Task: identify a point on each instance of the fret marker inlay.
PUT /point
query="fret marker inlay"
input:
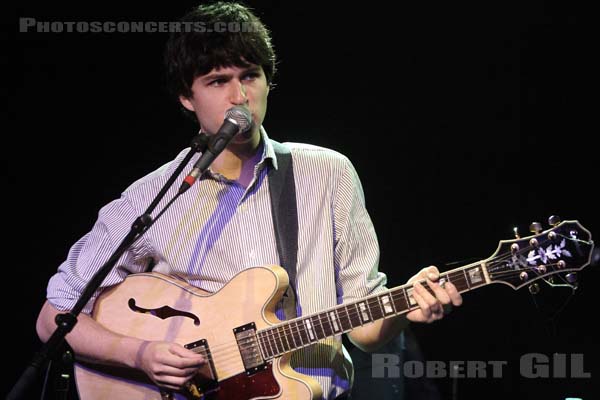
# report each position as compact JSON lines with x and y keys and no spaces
{"x":309,"y":329}
{"x":363,"y":312}
{"x":412,"y":301}
{"x":387,"y":305}
{"x":475,"y":275}
{"x":336,"y":327}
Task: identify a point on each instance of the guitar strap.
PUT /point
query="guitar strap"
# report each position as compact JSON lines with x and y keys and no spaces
{"x":282,"y":190}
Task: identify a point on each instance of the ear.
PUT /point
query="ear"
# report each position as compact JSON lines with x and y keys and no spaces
{"x":186,"y":103}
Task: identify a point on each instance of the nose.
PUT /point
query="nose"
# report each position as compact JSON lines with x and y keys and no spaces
{"x":238,"y":94}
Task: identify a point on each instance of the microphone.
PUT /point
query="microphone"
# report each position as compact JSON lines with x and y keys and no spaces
{"x":237,"y":120}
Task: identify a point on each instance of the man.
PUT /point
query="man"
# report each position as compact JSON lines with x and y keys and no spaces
{"x":223,"y":225}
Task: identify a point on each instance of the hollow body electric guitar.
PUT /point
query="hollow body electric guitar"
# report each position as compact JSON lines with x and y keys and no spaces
{"x":248,"y":348}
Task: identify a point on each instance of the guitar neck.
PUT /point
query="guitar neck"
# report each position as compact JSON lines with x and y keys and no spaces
{"x":306,"y":330}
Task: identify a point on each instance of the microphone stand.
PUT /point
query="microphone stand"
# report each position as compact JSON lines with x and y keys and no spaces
{"x":66,"y":321}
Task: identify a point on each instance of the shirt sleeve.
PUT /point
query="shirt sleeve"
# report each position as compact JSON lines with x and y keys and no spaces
{"x":92,"y":251}
{"x":356,"y":245}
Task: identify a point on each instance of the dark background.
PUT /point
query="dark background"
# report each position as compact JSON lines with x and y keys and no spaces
{"x":463,"y":121}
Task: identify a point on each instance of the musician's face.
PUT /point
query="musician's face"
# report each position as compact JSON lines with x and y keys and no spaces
{"x":219,"y":90}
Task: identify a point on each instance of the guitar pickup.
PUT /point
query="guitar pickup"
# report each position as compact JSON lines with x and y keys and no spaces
{"x":206,"y":378}
{"x":248,"y":346}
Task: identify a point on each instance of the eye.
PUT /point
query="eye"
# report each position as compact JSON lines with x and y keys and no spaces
{"x":250,"y":76}
{"x":217,"y":82}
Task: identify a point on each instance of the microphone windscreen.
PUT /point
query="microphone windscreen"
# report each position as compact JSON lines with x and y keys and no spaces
{"x":241,"y":115}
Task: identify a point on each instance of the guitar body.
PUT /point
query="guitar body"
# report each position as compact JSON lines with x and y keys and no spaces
{"x":158,"y":307}
{"x":248,"y":348}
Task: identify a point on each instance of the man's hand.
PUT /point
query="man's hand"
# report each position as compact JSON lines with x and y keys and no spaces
{"x":169,"y":365}
{"x":431,"y":307}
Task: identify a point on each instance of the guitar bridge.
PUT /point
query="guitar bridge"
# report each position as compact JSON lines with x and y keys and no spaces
{"x":206,"y":379}
{"x":247,"y":341}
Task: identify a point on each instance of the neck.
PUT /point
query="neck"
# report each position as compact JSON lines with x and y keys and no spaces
{"x":238,"y":160}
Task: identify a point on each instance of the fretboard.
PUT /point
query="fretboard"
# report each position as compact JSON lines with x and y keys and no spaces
{"x":306,"y":330}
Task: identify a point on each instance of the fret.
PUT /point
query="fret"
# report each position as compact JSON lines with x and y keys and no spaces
{"x":367,"y":307}
{"x":344,"y":318}
{"x":428,"y":288}
{"x":352,"y":315}
{"x":317,"y":326}
{"x":277,"y":341}
{"x":466,"y":278}
{"x":369,"y":310}
{"x":408,"y":295}
{"x":283,"y":336}
{"x":363,"y":313}
{"x":387,"y":305}
{"x":447,"y":277}
{"x":291,"y":335}
{"x":356,"y":317}
{"x":302,"y":333}
{"x":375,"y":308}
{"x":334,"y":321}
{"x":267,"y":353}
{"x":270,"y":340}
{"x":309,"y":330}
{"x":399,"y":300}
{"x":327,"y":327}
{"x":296,"y":334}
{"x":459,"y":279}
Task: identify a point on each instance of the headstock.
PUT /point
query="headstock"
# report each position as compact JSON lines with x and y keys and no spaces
{"x":565,"y":248}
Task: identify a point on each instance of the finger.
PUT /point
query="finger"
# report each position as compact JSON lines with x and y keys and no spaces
{"x":439,"y":292}
{"x":181,"y":351}
{"x":430,"y":302}
{"x":425,"y":294}
{"x":432,"y":273}
{"x":168,"y":370}
{"x":171,"y":382}
{"x":435,"y":306}
{"x":455,"y":296}
{"x":423,"y":305}
{"x":181,"y":357}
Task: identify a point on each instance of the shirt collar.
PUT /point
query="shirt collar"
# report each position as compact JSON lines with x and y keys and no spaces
{"x":268,"y":151}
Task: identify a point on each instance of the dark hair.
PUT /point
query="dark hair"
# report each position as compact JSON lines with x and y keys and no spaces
{"x":215,"y":35}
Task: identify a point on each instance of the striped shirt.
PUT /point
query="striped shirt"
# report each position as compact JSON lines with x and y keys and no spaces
{"x":218,"y":228}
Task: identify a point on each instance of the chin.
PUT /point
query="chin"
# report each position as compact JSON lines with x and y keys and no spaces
{"x":244,"y":138}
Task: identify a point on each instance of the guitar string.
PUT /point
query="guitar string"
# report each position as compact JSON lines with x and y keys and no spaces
{"x":280,"y":339}
{"x":350,"y":314}
{"x":393,"y":295}
{"x":277,"y":339}
{"x":273,"y":337}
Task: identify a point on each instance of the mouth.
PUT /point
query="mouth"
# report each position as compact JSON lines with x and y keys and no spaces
{"x":248,"y":132}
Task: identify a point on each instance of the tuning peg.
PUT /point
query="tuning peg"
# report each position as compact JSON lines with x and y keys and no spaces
{"x":534,"y":288}
{"x":554,"y":220}
{"x":516,"y":232}
{"x":572,"y":277}
{"x":535,"y":227}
